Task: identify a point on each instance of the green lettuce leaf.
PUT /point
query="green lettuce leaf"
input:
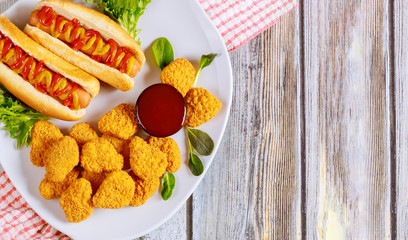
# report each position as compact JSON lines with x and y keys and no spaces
{"x":125,"y":13}
{"x":17,"y":117}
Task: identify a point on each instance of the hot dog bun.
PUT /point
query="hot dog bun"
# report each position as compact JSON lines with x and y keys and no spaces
{"x":89,"y":19}
{"x":23,"y":90}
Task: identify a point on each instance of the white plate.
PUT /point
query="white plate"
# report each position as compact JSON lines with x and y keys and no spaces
{"x":192,"y":34}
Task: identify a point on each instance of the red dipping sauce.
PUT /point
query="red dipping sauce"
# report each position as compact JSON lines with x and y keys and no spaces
{"x":160,"y":110}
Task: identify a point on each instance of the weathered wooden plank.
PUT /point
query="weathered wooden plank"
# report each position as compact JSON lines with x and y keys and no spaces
{"x":400,"y":24}
{"x":4,"y":5}
{"x":347,"y":119}
{"x":252,"y":190}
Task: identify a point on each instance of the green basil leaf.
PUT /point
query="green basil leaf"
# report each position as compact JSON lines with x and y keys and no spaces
{"x":163,"y":52}
{"x":195,"y":165}
{"x":167,"y":184}
{"x":200,"y":141}
{"x":204,"y":62}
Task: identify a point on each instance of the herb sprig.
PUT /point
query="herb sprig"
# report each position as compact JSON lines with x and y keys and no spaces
{"x":163,"y":52}
{"x":205,"y":60}
{"x":167,"y":183}
{"x":195,"y":164}
{"x":201,"y":141}
{"x":203,"y":145}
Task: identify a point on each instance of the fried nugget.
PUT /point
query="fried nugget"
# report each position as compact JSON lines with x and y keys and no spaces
{"x":95,"y":179}
{"x":51,"y":190}
{"x":60,"y":158}
{"x":144,"y":189}
{"x":120,"y":122}
{"x":116,"y":191}
{"x":169,"y":147}
{"x":83,"y":133}
{"x":201,"y":106}
{"x":99,"y":155}
{"x":146,"y":161}
{"x":76,"y":201}
{"x":180,"y":74}
{"x":43,"y":134}
{"x":121,"y":146}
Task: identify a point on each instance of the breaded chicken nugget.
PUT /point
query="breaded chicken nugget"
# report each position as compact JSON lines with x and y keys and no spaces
{"x":120,"y":122}
{"x":201,"y":106}
{"x":43,"y":134}
{"x":116,"y":191}
{"x":144,"y":189}
{"x":83,"y":133}
{"x":121,"y":146}
{"x":95,"y":179}
{"x":76,"y":200}
{"x":60,"y":158}
{"x":146,"y":162}
{"x":180,"y":74}
{"x":51,"y":190}
{"x":99,"y":155}
{"x":169,"y":147}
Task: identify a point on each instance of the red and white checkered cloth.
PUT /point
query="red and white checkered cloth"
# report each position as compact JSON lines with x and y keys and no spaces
{"x":18,"y":220}
{"x":237,"y":20}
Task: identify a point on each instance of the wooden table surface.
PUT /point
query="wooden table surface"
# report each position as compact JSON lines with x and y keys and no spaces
{"x":317,"y":141}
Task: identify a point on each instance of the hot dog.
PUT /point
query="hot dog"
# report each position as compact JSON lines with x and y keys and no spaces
{"x":41,"y":79}
{"x":87,"y":39}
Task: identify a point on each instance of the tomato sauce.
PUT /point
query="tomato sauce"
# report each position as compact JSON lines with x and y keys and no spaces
{"x":160,"y":110}
{"x":46,"y":17}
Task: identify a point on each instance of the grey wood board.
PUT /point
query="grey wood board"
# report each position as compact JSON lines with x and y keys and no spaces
{"x":400,"y":60}
{"x":347,"y":138}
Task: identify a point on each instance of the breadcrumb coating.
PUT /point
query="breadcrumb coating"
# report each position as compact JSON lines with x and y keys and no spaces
{"x":42,"y":135}
{"x":180,"y":74}
{"x":144,"y":189}
{"x":95,"y":179}
{"x":99,"y":155}
{"x":83,"y":133}
{"x":60,"y":158}
{"x":120,"y":122}
{"x":169,"y":147}
{"x":76,"y":201}
{"x":121,"y":146}
{"x":145,"y":161}
{"x":116,"y":191}
{"x":201,"y":106}
{"x":51,"y":190}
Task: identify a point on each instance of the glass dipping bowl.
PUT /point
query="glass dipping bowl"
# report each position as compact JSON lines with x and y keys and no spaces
{"x":160,"y":110}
